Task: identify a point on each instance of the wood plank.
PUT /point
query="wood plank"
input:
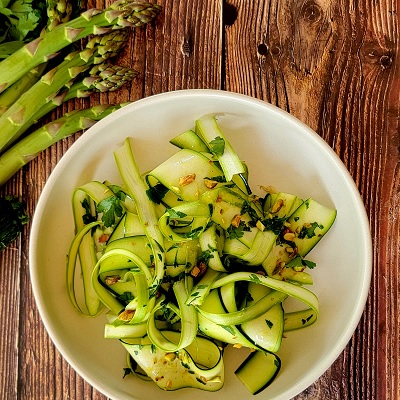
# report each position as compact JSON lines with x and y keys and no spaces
{"x":331,"y":64}
{"x":37,"y":370}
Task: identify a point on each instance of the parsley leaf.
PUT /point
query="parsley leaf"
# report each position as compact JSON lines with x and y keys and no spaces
{"x":156,"y":193}
{"x":21,"y":20}
{"x":111,"y":208}
{"x":300,"y":262}
{"x":269,"y":323}
{"x":274,"y":224}
{"x":87,"y":217}
{"x":175,"y":214}
{"x":217,"y":146}
{"x":309,"y":230}
{"x":236,"y":232}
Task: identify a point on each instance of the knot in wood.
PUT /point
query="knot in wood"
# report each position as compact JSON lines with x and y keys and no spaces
{"x":311,"y":12}
{"x":262,"y":49}
{"x":386,"y":61}
{"x":229,"y":14}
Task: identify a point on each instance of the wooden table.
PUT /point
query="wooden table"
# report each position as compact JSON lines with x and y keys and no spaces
{"x":333,"y":64}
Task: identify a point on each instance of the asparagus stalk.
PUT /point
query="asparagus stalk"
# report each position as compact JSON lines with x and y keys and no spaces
{"x":14,"y":92}
{"x":58,"y":12}
{"x":102,"y":78}
{"x":122,"y":13}
{"x":29,"y":147}
{"x":98,"y":49}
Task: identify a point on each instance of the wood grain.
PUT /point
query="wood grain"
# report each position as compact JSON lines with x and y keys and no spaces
{"x":331,"y":63}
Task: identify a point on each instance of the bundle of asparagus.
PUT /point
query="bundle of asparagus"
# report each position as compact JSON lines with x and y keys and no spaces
{"x":28,"y":73}
{"x":41,"y":74}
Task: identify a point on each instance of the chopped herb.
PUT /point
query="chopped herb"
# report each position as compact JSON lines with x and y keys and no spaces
{"x":269,"y":323}
{"x":200,"y":381}
{"x":298,"y":261}
{"x":217,"y":146}
{"x":117,"y":191}
{"x":159,"y":246}
{"x":174,"y":246}
{"x":236,"y":232}
{"x":274,"y":224}
{"x":87,"y":217}
{"x":219,"y":179}
{"x":111,"y":208}
{"x":175,"y":214}
{"x":206,"y":255}
{"x":309,"y":230}
{"x":194,"y":233}
{"x":310,"y":264}
{"x":276,"y":362}
{"x":247,"y":208}
{"x":126,"y":297}
{"x":156,"y":193}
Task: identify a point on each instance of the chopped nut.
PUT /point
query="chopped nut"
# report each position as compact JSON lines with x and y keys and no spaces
{"x":169,"y":384}
{"x":290,"y":236}
{"x":289,"y":250}
{"x":237,"y":346}
{"x":104,"y":237}
{"x":185,"y":180}
{"x":126,"y":315}
{"x":277,"y":206}
{"x":210,"y":184}
{"x":110,"y":280}
{"x":236,"y":220}
{"x":169,"y":357}
{"x":260,"y":225}
{"x":299,"y":269}
{"x":278,"y":268}
{"x":198,"y":270}
{"x":268,"y":189}
{"x":203,"y":379}
{"x":307,"y":225}
{"x":294,"y":252}
{"x":287,"y":224}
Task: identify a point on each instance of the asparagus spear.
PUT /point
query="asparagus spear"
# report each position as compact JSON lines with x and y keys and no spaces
{"x":120,"y":14}
{"x":102,"y":78}
{"x":29,"y":147}
{"x":60,"y":11}
{"x":98,"y":49}
{"x":14,"y":92}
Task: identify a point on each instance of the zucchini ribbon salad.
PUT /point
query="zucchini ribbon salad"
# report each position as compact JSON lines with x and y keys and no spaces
{"x":187,"y":261}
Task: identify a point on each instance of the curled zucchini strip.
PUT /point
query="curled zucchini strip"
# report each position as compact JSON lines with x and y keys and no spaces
{"x":142,"y":278}
{"x":247,"y":314}
{"x":298,"y":292}
{"x":188,"y":318}
{"x":197,"y":211}
{"x":136,"y":188}
{"x":71,"y":263}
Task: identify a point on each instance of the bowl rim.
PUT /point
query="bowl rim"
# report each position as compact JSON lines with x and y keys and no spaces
{"x":359,"y":307}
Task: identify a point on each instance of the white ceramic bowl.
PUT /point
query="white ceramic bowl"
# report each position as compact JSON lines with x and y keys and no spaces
{"x":280,"y":151}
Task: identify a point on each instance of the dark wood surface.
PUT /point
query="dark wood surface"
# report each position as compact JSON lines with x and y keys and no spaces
{"x":334,"y":64}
